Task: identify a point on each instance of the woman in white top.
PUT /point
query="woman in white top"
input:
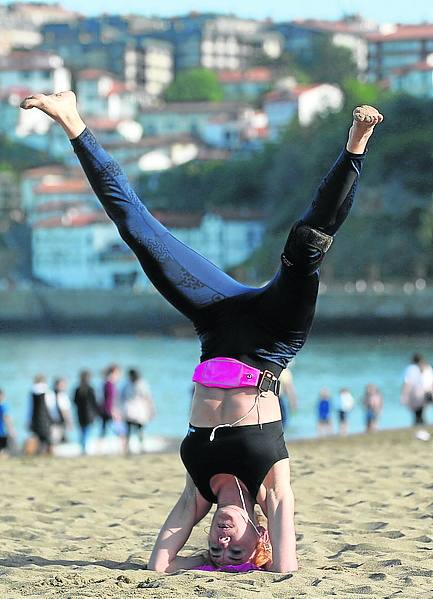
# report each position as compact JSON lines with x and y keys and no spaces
{"x":137,"y":405}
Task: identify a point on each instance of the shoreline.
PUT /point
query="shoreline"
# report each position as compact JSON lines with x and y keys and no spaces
{"x":161,"y":445}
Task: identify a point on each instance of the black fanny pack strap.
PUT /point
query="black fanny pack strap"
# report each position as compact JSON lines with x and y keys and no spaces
{"x":269,"y":382}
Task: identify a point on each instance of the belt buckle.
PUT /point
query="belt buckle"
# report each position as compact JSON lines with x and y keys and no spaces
{"x":266,"y":381}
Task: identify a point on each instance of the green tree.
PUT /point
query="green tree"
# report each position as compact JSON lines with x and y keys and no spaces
{"x":286,"y":65}
{"x":327,"y":62}
{"x":195,"y":85}
{"x":18,"y":157}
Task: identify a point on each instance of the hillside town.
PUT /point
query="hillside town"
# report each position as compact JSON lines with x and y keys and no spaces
{"x":122,"y":68}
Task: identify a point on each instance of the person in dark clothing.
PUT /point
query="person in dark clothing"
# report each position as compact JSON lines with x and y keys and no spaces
{"x":7,"y":433}
{"x":110,"y":397}
{"x":248,"y":335}
{"x":87,"y":407}
{"x":60,"y":411}
{"x":40,"y":418}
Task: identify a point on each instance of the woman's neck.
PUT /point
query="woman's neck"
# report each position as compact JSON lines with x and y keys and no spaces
{"x":228,"y":493}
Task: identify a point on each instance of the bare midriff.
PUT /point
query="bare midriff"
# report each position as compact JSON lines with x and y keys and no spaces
{"x":212,"y":406}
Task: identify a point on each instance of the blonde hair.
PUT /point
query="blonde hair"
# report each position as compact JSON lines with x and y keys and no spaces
{"x":263,"y":553}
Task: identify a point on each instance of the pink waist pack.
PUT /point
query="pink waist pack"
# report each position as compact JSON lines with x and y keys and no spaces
{"x":226,"y":373}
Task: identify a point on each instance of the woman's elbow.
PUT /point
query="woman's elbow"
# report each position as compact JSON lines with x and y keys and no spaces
{"x":287,"y":568}
{"x":160,"y":566}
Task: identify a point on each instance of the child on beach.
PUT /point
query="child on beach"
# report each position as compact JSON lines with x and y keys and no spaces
{"x":373,"y":404}
{"x":6,"y":425}
{"x":324,"y":420}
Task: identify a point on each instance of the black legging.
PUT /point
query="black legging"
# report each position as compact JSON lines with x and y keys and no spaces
{"x":263,"y":326}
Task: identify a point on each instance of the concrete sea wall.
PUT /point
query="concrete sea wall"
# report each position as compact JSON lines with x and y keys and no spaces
{"x":60,"y":310}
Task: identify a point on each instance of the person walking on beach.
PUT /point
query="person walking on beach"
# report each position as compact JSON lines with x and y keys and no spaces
{"x":413,"y":390}
{"x":234,"y":450}
{"x":287,"y":397}
{"x":40,"y":418}
{"x":7,"y":433}
{"x":373,"y":405}
{"x":137,"y":406}
{"x":324,"y":408}
{"x":109,"y":408}
{"x":345,"y":405}
{"x":59,"y":406}
{"x":86,"y":406}
{"x":427,"y":381}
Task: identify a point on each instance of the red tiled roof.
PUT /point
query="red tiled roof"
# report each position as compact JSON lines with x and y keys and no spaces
{"x":403,"y":32}
{"x":88,"y":74}
{"x":41,"y":171}
{"x":117,"y":87}
{"x":193,"y":220}
{"x":417,"y":66}
{"x":36,"y":60}
{"x":73,"y":220}
{"x":75,"y":186}
{"x":20,"y":91}
{"x":354,"y":27}
{"x":58,"y":205}
{"x":298,"y":90}
{"x":223,"y":118}
{"x":205,"y":154}
{"x":290,"y":94}
{"x":194,"y":107}
{"x":102,"y":124}
{"x":260,"y":74}
{"x":179,"y":220}
{"x":153,"y":141}
{"x":242,"y":214}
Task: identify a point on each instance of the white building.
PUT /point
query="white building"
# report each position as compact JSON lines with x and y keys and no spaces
{"x":81,"y":250}
{"x":222,"y":42}
{"x":33,"y":177}
{"x":37,"y":71}
{"x":149,"y":66}
{"x":84,"y":250}
{"x":303,"y":102}
{"x":415,"y":79}
{"x":349,"y":33}
{"x":227,"y":237}
{"x":21,"y":74}
{"x":152,"y":154}
{"x":54,"y":189}
{"x":233,"y":131}
{"x":20,"y":22}
{"x":102,"y":94}
{"x":397,"y":46}
{"x":185,"y":117}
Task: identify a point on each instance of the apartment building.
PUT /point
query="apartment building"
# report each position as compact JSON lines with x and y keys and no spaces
{"x":397,"y":46}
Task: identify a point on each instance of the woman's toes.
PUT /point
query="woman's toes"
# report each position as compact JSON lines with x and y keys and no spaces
{"x":28,"y":102}
{"x":367,"y":115}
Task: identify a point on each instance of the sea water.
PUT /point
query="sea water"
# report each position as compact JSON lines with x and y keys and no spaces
{"x":167,"y":364}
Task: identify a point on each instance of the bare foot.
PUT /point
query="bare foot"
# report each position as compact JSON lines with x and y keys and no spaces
{"x":365,"y":118}
{"x":61,"y":107}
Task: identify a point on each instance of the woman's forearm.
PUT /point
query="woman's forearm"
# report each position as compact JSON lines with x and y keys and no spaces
{"x":176,"y":531}
{"x":282,"y":531}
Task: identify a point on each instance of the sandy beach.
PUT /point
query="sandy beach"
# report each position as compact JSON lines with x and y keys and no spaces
{"x":84,"y":527}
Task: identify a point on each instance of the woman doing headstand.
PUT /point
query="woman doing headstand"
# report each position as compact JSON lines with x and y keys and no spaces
{"x":234,"y":451}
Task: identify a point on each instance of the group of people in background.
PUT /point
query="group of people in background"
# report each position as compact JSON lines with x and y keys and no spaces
{"x":416,"y":395}
{"x":124,"y":406}
{"x":371,"y":401}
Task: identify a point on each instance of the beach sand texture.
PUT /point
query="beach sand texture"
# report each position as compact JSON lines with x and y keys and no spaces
{"x":84,"y":527}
